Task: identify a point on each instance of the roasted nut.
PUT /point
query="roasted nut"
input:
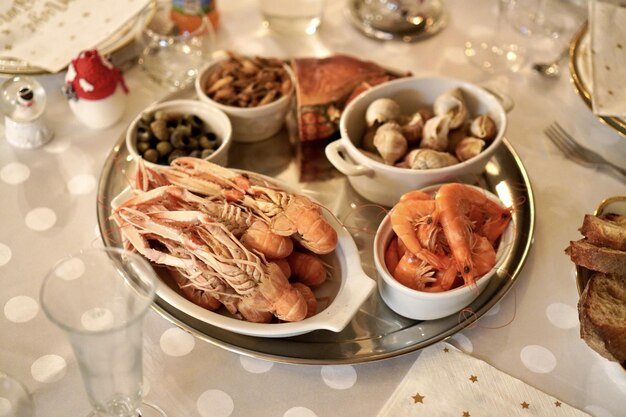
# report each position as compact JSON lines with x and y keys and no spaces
{"x":248,"y":82}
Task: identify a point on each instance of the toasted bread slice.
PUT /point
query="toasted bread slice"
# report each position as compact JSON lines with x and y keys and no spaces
{"x":597,"y":258}
{"x":602,"y":315}
{"x":605,"y":231}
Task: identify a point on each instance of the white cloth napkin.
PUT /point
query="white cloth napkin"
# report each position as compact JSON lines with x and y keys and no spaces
{"x":446,"y":382}
{"x":607,"y":25}
{"x":49,"y":33}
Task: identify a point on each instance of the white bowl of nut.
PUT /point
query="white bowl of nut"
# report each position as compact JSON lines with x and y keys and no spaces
{"x":175,"y":128}
{"x":416,"y":131}
{"x":255,"y":93}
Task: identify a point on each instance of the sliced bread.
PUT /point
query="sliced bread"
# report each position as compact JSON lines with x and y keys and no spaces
{"x":597,"y":258}
{"x":602,"y":315}
{"x":609,"y":230}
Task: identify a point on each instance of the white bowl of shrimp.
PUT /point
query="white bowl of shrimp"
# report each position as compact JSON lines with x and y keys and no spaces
{"x":407,"y":134}
{"x":438,"y":249}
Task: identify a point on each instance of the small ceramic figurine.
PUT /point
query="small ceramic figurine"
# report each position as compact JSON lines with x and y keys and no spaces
{"x":96,"y":90}
{"x":23,"y":103}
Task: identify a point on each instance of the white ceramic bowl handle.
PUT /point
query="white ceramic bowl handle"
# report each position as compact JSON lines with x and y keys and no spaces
{"x":359,"y":289}
{"x":333,"y":153}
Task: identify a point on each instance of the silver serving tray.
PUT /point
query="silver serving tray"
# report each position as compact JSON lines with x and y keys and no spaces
{"x":376,"y":332}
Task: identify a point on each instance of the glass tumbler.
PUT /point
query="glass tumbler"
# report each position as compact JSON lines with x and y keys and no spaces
{"x":170,"y":55}
{"x":99,"y":297}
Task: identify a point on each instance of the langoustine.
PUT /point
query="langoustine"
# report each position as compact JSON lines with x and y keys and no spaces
{"x":287,"y":213}
{"x":216,"y":248}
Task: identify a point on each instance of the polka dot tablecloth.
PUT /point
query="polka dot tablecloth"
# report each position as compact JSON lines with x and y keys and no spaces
{"x":48,"y":210}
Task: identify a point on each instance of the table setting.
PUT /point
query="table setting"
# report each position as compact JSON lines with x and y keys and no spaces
{"x":312,"y":208}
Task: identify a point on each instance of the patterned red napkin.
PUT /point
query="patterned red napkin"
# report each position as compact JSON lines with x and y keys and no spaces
{"x":446,"y":382}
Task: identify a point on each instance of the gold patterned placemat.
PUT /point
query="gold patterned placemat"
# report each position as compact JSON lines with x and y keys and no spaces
{"x":445,"y":382}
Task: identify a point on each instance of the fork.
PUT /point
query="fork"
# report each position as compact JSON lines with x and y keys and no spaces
{"x":578,"y":153}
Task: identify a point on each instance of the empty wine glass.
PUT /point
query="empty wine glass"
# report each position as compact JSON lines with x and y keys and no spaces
{"x":546,"y":25}
{"x":15,"y":401}
{"x":497,"y":50}
{"x":99,"y":297}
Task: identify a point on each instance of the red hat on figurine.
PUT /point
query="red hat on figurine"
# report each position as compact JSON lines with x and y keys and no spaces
{"x":93,"y":77}
{"x":96,"y":90}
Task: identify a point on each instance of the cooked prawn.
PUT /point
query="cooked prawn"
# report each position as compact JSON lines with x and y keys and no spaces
{"x":413,"y":272}
{"x":406,"y":217}
{"x":416,"y":195}
{"x":454,"y":204}
{"x":391,"y":255}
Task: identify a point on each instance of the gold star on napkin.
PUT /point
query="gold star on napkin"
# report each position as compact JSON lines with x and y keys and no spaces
{"x":418,"y":398}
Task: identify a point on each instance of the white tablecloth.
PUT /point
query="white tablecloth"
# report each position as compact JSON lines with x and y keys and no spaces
{"x":47,"y":210}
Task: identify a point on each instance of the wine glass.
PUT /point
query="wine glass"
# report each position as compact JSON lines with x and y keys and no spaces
{"x":15,"y":401}
{"x":99,"y":297}
{"x":545,"y":25}
{"x":497,"y":51}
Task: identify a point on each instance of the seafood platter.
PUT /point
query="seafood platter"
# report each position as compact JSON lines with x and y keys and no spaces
{"x":276,"y":253}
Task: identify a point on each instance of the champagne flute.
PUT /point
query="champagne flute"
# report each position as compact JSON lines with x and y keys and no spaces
{"x":498,"y":51}
{"x":15,"y":400}
{"x":99,"y":297}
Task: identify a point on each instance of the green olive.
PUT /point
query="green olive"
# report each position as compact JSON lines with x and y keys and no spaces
{"x":184,"y":129}
{"x":142,"y":147}
{"x":164,"y":148}
{"x":146,"y":118}
{"x":194,"y":120}
{"x":176,"y":153}
{"x":178,"y":139}
{"x":160,"y":115}
{"x":206,"y":153}
{"x":194,"y":144}
{"x":207,"y":143}
{"x":151,"y":155}
{"x":196,"y":154}
{"x":159,"y":129}
{"x":143,"y":134}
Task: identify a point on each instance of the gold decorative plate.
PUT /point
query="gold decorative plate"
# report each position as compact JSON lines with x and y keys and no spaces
{"x":580,"y":72}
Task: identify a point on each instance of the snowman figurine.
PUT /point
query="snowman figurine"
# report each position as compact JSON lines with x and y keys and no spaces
{"x":96,"y":90}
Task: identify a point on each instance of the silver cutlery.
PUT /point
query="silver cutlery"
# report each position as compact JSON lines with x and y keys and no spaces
{"x":578,"y":153}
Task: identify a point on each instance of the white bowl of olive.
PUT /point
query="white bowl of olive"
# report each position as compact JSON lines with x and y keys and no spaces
{"x":170,"y":129}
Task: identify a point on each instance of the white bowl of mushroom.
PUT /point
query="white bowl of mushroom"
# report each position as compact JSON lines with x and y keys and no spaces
{"x":416,"y":131}
{"x":254,"y":92}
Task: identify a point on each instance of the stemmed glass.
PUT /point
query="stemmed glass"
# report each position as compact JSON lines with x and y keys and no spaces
{"x":15,"y":401}
{"x":497,"y":51}
{"x":99,"y":297}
